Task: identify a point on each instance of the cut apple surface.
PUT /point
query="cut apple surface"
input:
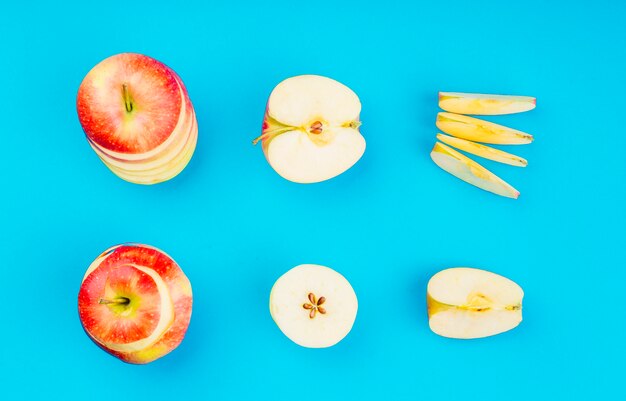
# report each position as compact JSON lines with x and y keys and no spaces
{"x":478,"y":130}
{"x":311,"y":129}
{"x":313,"y":305}
{"x":470,"y":303}
{"x":135,"y":303}
{"x":469,"y":171}
{"x":138,"y":118}
{"x":483,"y":151}
{"x":482,"y":104}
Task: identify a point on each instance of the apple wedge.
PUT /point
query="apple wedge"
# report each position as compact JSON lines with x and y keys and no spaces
{"x":469,"y":171}
{"x":488,"y":105}
{"x":486,"y":152}
{"x":478,"y":130}
{"x":469,"y":303}
{"x":313,"y":305}
{"x":311,"y":129}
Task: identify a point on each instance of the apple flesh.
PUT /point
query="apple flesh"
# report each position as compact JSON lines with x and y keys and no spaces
{"x":482,"y":104}
{"x":469,"y":171}
{"x":311,"y":129}
{"x":138,"y":118}
{"x":470,"y":303}
{"x":135,"y":303}
{"x":313,"y":305}
{"x":486,"y":152}
{"x":478,"y":130}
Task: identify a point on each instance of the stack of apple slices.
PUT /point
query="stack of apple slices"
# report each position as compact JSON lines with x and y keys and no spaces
{"x":466,"y":131}
{"x":138,"y":118}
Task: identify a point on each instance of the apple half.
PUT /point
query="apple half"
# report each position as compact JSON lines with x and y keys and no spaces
{"x":313,"y":305}
{"x":469,"y":171}
{"x":475,"y":129}
{"x":138,"y":118}
{"x":482,"y":104}
{"x":470,"y":303}
{"x":135,"y":303}
{"x":311,"y":129}
{"x":484,"y":151}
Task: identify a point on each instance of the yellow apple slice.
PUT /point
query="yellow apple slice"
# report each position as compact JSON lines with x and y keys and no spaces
{"x":478,"y":130}
{"x":313,"y":305}
{"x":469,"y":303}
{"x":483,"y":151}
{"x":469,"y":171}
{"x":476,"y":103}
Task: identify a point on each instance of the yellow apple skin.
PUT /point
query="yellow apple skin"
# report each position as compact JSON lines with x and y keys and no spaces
{"x":484,"y":151}
{"x":469,"y":171}
{"x":477,"y":130}
{"x":482,"y":104}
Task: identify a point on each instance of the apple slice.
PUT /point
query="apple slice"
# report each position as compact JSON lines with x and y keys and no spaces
{"x":474,"y":129}
{"x":311,"y":129}
{"x":313,"y":305}
{"x":469,"y":171}
{"x":476,"y":103}
{"x":471,"y":303}
{"x":483,"y":151}
{"x":135,"y":303}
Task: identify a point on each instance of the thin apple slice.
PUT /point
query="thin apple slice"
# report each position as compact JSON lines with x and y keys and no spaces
{"x":478,"y":130}
{"x":482,"y":104}
{"x":469,"y":303}
{"x":469,"y":171}
{"x":313,"y":305}
{"x":483,"y":151}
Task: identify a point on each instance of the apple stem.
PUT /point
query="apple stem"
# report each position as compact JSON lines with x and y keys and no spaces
{"x":127,"y":101}
{"x":260,"y":138}
{"x":117,"y":301}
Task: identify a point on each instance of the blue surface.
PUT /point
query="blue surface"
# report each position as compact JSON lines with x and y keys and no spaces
{"x":388,"y":224}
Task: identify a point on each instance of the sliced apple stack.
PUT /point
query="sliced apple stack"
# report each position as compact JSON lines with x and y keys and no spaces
{"x":138,"y":118}
{"x":311,"y":129}
{"x":466,"y":131}
{"x":135,"y":303}
{"x":472,"y":303}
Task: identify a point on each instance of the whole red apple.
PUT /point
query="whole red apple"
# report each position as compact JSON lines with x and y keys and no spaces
{"x":135,"y":303}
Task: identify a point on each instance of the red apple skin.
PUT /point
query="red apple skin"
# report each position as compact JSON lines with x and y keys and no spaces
{"x":154,"y":90}
{"x":179,"y":287}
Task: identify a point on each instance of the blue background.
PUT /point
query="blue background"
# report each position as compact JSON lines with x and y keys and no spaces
{"x":387,"y":224}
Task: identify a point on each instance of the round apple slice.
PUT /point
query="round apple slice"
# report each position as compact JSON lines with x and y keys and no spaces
{"x":311,"y":129}
{"x":471,"y":303}
{"x":135,"y":303}
{"x":313,"y":305}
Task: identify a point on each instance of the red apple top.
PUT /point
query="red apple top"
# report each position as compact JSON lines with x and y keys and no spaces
{"x":130,"y":103}
{"x":135,"y":302}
